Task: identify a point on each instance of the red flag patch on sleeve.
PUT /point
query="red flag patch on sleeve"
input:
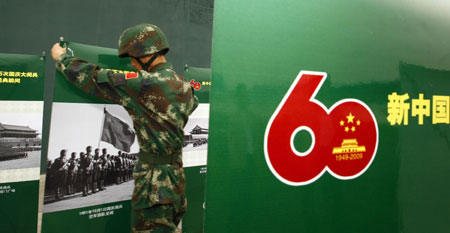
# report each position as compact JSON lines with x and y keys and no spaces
{"x":131,"y":75}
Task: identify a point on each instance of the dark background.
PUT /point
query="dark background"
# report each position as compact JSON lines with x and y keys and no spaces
{"x":32,"y":27}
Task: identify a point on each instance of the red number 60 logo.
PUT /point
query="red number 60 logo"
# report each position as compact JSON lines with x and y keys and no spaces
{"x":344,"y":137}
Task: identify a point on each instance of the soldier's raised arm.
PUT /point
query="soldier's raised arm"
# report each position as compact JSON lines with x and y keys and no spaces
{"x":86,"y":76}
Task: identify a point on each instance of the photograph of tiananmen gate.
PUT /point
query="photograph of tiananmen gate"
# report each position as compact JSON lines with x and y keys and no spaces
{"x":18,"y":141}
{"x":198,"y":136}
{"x":199,"y":130}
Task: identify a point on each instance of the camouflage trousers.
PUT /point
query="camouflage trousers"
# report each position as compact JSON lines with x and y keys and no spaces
{"x":158,"y":202}
{"x":159,"y":218}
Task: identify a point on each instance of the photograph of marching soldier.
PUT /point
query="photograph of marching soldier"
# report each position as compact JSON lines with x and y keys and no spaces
{"x":97,"y":170}
{"x":59,"y":168}
{"x":104,"y":172}
{"x":20,"y":134}
{"x":103,"y":152}
{"x":72,"y":175}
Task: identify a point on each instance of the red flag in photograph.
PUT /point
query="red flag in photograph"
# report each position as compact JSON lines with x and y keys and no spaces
{"x":117,"y":132}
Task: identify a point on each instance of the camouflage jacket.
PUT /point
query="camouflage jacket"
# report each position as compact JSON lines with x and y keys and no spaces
{"x":159,"y":103}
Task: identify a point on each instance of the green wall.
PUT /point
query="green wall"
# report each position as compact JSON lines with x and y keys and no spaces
{"x":369,"y":50}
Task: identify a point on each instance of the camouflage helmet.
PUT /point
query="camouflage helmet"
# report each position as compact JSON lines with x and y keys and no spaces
{"x":142,"y":40}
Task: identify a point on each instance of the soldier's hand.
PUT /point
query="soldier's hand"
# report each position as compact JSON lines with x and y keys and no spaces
{"x":57,"y":51}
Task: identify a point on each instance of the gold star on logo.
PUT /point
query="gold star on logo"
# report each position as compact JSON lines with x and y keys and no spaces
{"x":342,"y":123}
{"x":358,"y":122}
{"x":346,"y":129}
{"x":353,"y":129}
{"x":350,"y":118}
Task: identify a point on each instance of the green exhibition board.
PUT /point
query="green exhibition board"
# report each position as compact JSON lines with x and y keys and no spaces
{"x":200,"y":79}
{"x":22,"y":77}
{"x":100,"y":218}
{"x":329,"y":116}
{"x":19,"y":210}
{"x":69,"y":129}
{"x":21,"y":113}
{"x":106,"y":58}
{"x":193,"y":221}
{"x":76,"y":123}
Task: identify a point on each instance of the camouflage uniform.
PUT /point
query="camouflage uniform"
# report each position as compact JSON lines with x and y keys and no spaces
{"x":159,"y":102}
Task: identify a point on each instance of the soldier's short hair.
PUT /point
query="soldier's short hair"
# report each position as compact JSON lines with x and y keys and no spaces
{"x":63,"y":152}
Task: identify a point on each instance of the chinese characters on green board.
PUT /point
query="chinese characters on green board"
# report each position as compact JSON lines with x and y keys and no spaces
{"x":399,"y":108}
{"x":101,"y":212}
{"x":15,"y":76}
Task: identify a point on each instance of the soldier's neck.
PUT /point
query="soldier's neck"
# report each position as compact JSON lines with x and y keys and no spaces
{"x":160,"y":59}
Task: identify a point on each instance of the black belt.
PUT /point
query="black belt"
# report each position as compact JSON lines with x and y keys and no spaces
{"x":158,"y":158}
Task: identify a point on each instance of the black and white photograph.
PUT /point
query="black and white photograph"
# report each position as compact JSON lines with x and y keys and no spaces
{"x":196,"y":134}
{"x":195,"y":148}
{"x":20,"y":134}
{"x":92,"y":151}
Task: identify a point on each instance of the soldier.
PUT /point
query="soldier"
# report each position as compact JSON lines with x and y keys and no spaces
{"x":159,"y":102}
{"x":81,"y":176}
{"x":90,"y":159}
{"x":105,"y":166}
{"x":112,"y":170}
{"x":119,"y":167}
{"x":87,"y":167}
{"x":72,"y":173}
{"x":59,"y":168}
{"x":82,"y":172}
{"x":125,"y":167}
{"x":133,"y":164}
{"x":127,"y":157}
{"x":97,"y":170}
